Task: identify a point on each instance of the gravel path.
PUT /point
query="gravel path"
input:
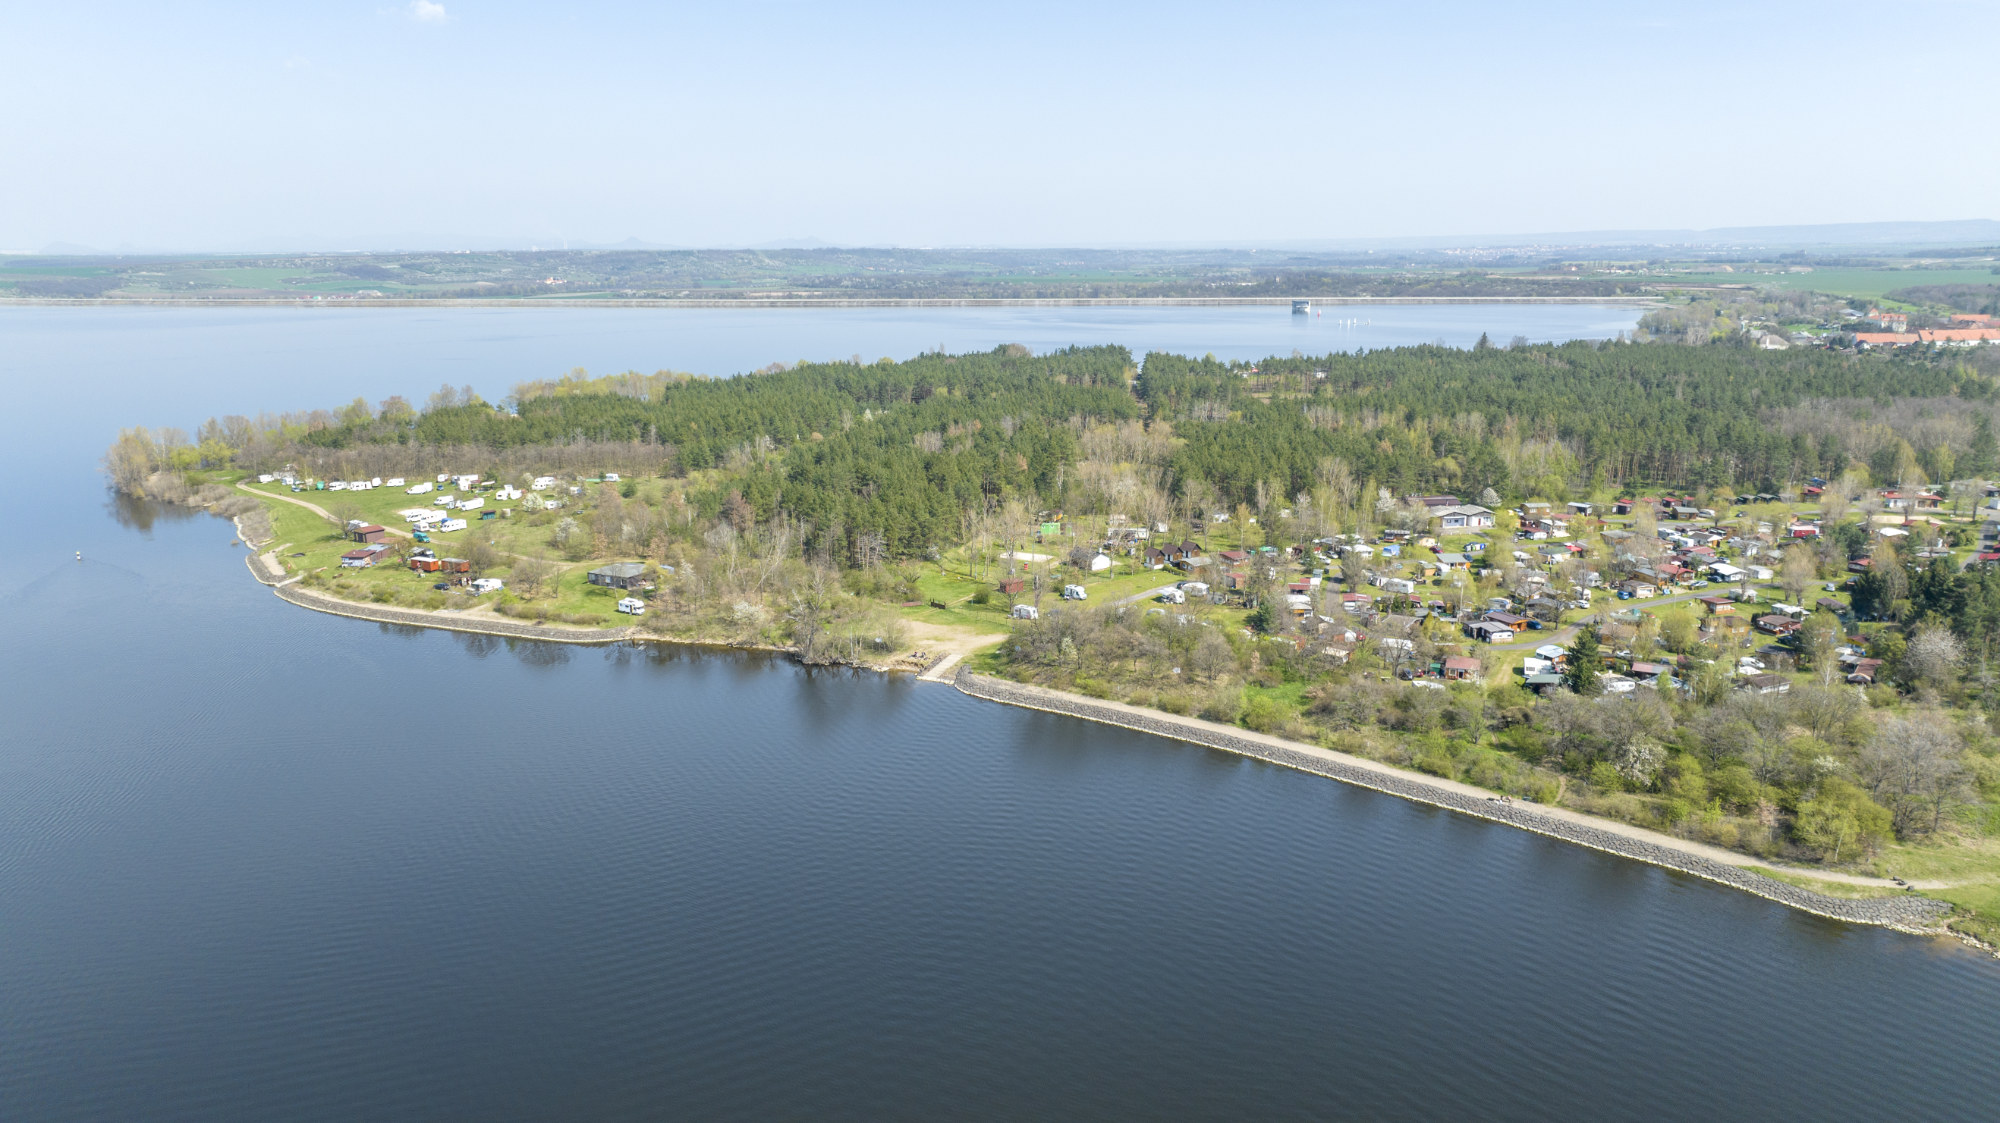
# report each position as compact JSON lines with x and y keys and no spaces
{"x":1905,"y":913}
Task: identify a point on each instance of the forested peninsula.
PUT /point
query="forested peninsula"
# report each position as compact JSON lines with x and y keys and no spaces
{"x":1740,"y":596}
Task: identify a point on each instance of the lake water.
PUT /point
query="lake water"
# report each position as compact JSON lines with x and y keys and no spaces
{"x":259,"y":863}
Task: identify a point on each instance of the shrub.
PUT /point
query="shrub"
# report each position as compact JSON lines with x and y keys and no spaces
{"x":1177,"y":704}
{"x":1265,"y":714}
{"x":1437,"y":762}
{"x":1605,"y":778}
{"x":1225,"y":705}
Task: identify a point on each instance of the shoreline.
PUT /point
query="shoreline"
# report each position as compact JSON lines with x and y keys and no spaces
{"x":1912,"y":914}
{"x":1635,"y":300}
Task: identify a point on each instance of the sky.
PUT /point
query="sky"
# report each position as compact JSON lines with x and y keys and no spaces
{"x":441,"y":124}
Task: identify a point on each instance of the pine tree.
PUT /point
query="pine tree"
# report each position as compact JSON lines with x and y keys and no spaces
{"x":1586,"y":663}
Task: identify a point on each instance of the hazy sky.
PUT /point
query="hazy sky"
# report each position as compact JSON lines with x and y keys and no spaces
{"x":189,"y":126}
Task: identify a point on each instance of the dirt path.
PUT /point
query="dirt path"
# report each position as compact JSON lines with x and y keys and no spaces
{"x":315,"y":508}
{"x":953,"y":643}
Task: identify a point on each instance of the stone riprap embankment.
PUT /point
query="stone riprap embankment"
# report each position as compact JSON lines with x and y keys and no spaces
{"x":266,"y":569}
{"x":486,"y":625}
{"x":1905,"y":913}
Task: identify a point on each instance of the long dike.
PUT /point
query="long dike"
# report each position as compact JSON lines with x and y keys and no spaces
{"x":1907,"y":913}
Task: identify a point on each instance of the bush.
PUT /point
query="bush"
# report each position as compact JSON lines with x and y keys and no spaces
{"x":1225,"y":705}
{"x":1524,"y":741}
{"x":983,"y":596}
{"x":1605,"y":778}
{"x":1177,"y":704}
{"x":1266,"y":714}
{"x":1437,"y":762}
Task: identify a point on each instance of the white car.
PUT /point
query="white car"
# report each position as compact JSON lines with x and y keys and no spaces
{"x":632,"y":606}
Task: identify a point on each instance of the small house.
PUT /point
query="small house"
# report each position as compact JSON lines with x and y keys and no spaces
{"x":1013,"y":587}
{"x":454,"y":565}
{"x":1461,"y":667}
{"x":1648,"y":674}
{"x":368,"y":533}
{"x":619,"y":575}
{"x":1460,"y":518}
{"x":1767,"y":684}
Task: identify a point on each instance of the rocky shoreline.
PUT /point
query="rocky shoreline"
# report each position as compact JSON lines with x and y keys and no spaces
{"x":1908,"y":913}
{"x":1911,"y":913}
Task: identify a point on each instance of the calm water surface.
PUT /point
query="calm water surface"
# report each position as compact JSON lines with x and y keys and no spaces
{"x":258,"y":863}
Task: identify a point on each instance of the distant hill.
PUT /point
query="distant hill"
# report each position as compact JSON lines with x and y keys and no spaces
{"x":1976,"y":231}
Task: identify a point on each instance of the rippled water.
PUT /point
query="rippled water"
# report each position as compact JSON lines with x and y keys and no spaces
{"x":261,"y":863}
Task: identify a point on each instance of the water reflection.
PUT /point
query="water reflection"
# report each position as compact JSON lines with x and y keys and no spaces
{"x":134,"y":513}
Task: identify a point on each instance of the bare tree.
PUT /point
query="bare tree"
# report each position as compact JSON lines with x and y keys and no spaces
{"x":530,"y":576}
{"x":1913,"y":765}
{"x":1799,"y":572}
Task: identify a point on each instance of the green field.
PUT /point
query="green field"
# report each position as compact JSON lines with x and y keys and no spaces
{"x":1861,"y":284}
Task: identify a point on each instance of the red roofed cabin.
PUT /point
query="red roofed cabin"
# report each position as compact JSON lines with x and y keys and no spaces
{"x":1461,"y":667}
{"x":1012,"y":587}
{"x":369,"y":533}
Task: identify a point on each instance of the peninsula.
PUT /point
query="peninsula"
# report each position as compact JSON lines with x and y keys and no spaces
{"x":1739,"y":597}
